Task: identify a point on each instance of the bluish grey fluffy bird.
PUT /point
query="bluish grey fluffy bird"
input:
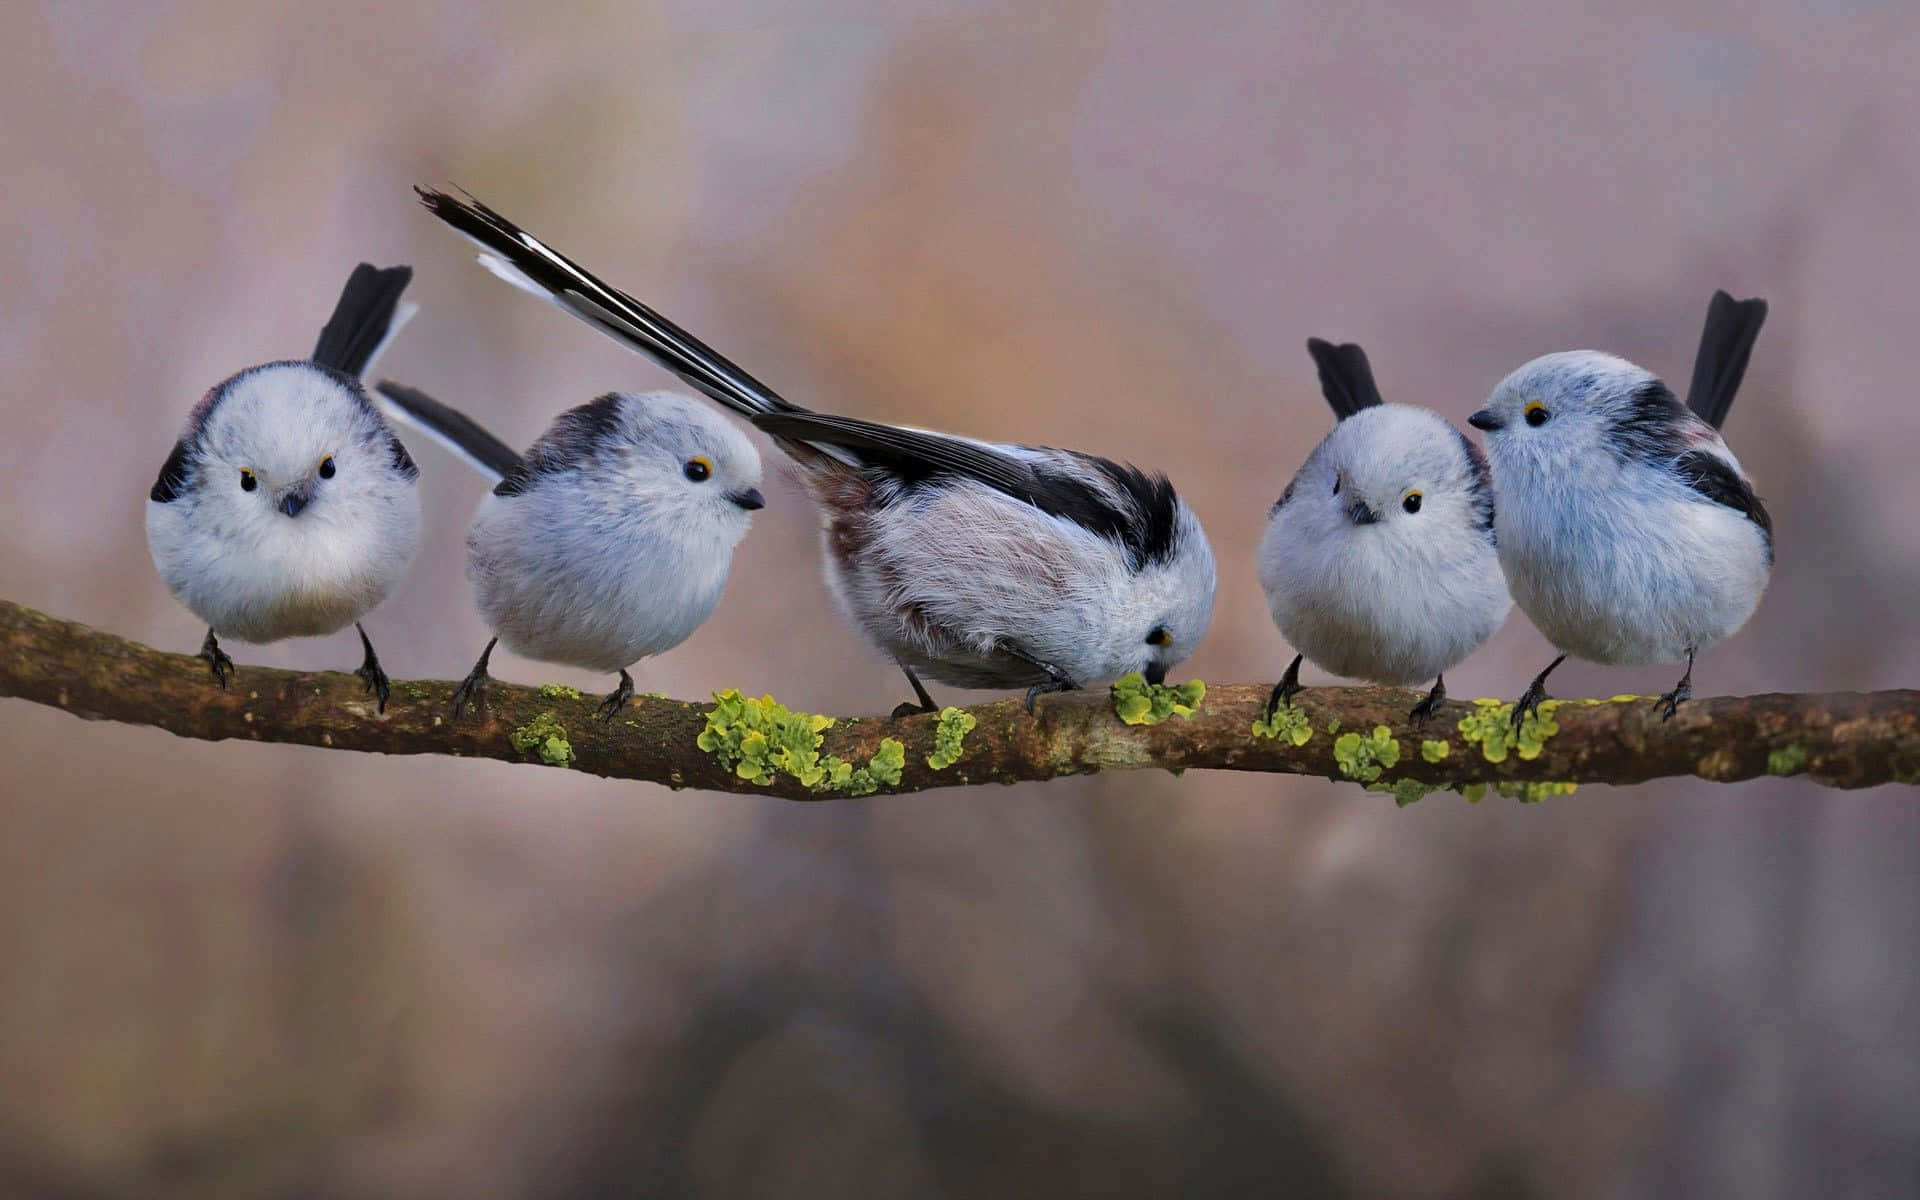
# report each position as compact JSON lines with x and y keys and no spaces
{"x":1378,"y":560}
{"x":610,"y":540}
{"x":288,"y":507}
{"x":983,"y":565}
{"x":1629,"y":532}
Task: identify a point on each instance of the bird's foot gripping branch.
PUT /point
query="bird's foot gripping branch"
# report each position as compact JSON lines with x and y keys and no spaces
{"x":761,"y":747}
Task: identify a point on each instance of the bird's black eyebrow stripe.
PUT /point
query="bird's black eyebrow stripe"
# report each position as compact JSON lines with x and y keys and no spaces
{"x":1649,"y":429}
{"x":1712,"y":477}
{"x":573,"y":435}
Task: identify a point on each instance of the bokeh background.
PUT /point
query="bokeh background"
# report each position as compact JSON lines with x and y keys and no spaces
{"x":232,"y":970}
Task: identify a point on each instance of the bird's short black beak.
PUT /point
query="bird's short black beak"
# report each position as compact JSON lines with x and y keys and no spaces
{"x":1156,"y":673}
{"x":1488,"y":420}
{"x":293,"y":502}
{"x":749,"y":499}
{"x":1361,"y":514}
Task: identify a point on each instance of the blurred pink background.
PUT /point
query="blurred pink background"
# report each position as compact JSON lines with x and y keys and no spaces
{"x":240,"y":970}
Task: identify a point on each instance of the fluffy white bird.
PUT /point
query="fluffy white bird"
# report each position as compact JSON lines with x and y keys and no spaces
{"x":1378,"y":560}
{"x":1629,"y":533}
{"x":288,"y":507}
{"x":611,"y":539}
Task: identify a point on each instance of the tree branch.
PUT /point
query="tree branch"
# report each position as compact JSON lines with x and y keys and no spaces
{"x":1841,"y":739}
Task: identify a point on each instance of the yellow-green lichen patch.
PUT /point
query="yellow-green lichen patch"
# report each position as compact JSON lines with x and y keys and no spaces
{"x":1473,"y":793}
{"x":1788,"y":760}
{"x":1491,"y":725}
{"x":762,"y":739}
{"x":1403,"y":791}
{"x":1333,"y":726}
{"x":1364,"y":756}
{"x":1434,"y":751}
{"x":949,"y":737}
{"x":1534,"y":793}
{"x":558,"y":691}
{"x":884,"y":769}
{"x":1287,"y":723}
{"x":1137,"y":702}
{"x":544,"y":738}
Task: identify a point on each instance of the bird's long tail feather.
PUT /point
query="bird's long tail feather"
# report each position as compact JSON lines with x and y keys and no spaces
{"x":453,"y":429}
{"x":523,"y":260}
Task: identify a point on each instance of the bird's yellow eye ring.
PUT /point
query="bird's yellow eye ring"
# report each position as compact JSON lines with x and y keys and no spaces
{"x":247,"y":481}
{"x":699,"y":469}
{"x":1411,"y":501}
{"x":1536,"y":413}
{"x":1159,"y":636}
{"x":326,"y":467}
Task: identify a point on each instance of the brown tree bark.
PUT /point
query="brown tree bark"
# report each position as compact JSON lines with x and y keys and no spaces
{"x":1842,"y":739}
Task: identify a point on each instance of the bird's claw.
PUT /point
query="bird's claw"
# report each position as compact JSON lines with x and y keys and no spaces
{"x":217,"y":661}
{"x":1670,"y":703}
{"x":617,"y":698}
{"x":376,"y":681}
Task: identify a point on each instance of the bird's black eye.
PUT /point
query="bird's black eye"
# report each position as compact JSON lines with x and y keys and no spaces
{"x":1411,"y":502}
{"x":326,"y":467}
{"x":1159,"y":636}
{"x":1336,"y":483}
{"x":699,"y":469}
{"x":1537,"y":414}
{"x":247,"y":481}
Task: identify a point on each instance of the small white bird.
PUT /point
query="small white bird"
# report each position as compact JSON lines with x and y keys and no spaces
{"x":1629,"y":533}
{"x":1378,"y":560}
{"x":611,"y":539}
{"x":288,"y":507}
{"x":984,"y":565}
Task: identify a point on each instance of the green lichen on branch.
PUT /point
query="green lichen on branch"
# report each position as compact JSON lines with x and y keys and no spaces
{"x":1137,"y":702}
{"x":949,"y":737}
{"x":761,"y":739}
{"x":1287,"y":723}
{"x":543,"y":738}
{"x":1534,"y":793}
{"x":1434,"y":751}
{"x":1788,"y":760}
{"x":1404,"y":791}
{"x":1491,"y":725}
{"x":1364,"y":756}
{"x":558,"y":691}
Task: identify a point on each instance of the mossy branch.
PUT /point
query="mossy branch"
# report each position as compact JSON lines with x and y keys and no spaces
{"x":740,"y":745}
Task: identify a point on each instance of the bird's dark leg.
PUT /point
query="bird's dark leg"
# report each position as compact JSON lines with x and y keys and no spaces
{"x":907,"y":708}
{"x":474,"y":687}
{"x":618,"y":697}
{"x":1056,"y":680}
{"x":1284,"y":691}
{"x":1680,"y":692}
{"x":370,"y":672}
{"x":1435,"y":698}
{"x":1529,"y":701}
{"x":217,"y":660}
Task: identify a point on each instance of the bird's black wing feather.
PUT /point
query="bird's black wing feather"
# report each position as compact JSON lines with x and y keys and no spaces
{"x":460,"y":432}
{"x":1726,"y":342}
{"x":1140,"y":512}
{"x":1346,"y":379}
{"x":361,"y":318}
{"x":910,"y":453}
{"x":1714,"y":478}
{"x":605,"y":307}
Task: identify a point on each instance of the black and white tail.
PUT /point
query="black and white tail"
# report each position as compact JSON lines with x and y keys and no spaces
{"x":521,"y":259}
{"x":364,"y":321}
{"x":451,"y":428}
{"x":1346,"y":380}
{"x":1725,"y":345}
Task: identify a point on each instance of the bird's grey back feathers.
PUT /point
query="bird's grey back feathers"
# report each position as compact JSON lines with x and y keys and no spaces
{"x":1726,"y":342}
